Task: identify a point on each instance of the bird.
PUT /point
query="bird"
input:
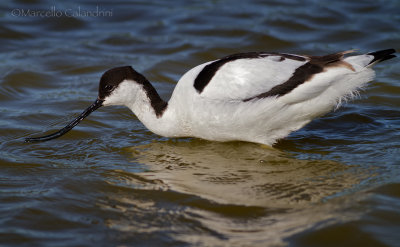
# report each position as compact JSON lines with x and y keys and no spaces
{"x":258,"y":97}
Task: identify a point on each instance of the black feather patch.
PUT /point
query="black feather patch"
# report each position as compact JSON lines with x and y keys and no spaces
{"x":208,"y":72}
{"x":382,"y":55}
{"x":315,"y":65}
{"x":301,"y":74}
{"x":113,"y":77}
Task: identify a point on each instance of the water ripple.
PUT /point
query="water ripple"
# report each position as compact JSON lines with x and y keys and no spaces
{"x":111,"y":181}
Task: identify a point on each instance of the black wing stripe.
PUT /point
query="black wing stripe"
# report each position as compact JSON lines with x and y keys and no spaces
{"x":300,"y":75}
{"x":208,"y":72}
{"x":316,"y":65}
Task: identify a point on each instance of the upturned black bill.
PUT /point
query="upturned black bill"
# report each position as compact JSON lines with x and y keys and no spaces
{"x":98,"y":103}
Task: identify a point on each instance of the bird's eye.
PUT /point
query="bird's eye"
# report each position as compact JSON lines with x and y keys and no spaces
{"x":109,"y":87}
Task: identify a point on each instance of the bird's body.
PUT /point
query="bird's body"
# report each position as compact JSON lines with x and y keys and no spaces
{"x":256,"y":97}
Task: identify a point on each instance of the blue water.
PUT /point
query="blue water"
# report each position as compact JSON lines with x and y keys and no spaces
{"x":111,"y":182}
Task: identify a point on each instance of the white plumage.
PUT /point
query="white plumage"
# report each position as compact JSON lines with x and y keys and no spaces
{"x":254,"y":97}
{"x":244,"y":78}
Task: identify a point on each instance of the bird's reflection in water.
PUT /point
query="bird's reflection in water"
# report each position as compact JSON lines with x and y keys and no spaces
{"x":244,"y":173}
{"x":237,"y":190}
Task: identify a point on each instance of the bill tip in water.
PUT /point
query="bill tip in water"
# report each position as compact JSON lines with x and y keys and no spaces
{"x":98,"y":103}
{"x":31,"y":140}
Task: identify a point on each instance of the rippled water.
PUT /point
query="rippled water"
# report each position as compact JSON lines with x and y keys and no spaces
{"x":111,"y":182}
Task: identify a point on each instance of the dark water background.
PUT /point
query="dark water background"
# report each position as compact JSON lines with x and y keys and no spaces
{"x":111,"y":182}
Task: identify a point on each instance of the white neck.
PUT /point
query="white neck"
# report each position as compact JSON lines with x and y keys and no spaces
{"x":146,"y":104}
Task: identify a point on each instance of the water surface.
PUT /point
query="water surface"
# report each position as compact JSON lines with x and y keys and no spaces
{"x":111,"y":182}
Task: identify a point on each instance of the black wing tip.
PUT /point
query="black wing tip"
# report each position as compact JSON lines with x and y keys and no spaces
{"x":382,"y":52}
{"x":382,"y":55}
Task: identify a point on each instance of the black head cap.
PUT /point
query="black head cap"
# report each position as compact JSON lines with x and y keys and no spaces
{"x":113,"y":77}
